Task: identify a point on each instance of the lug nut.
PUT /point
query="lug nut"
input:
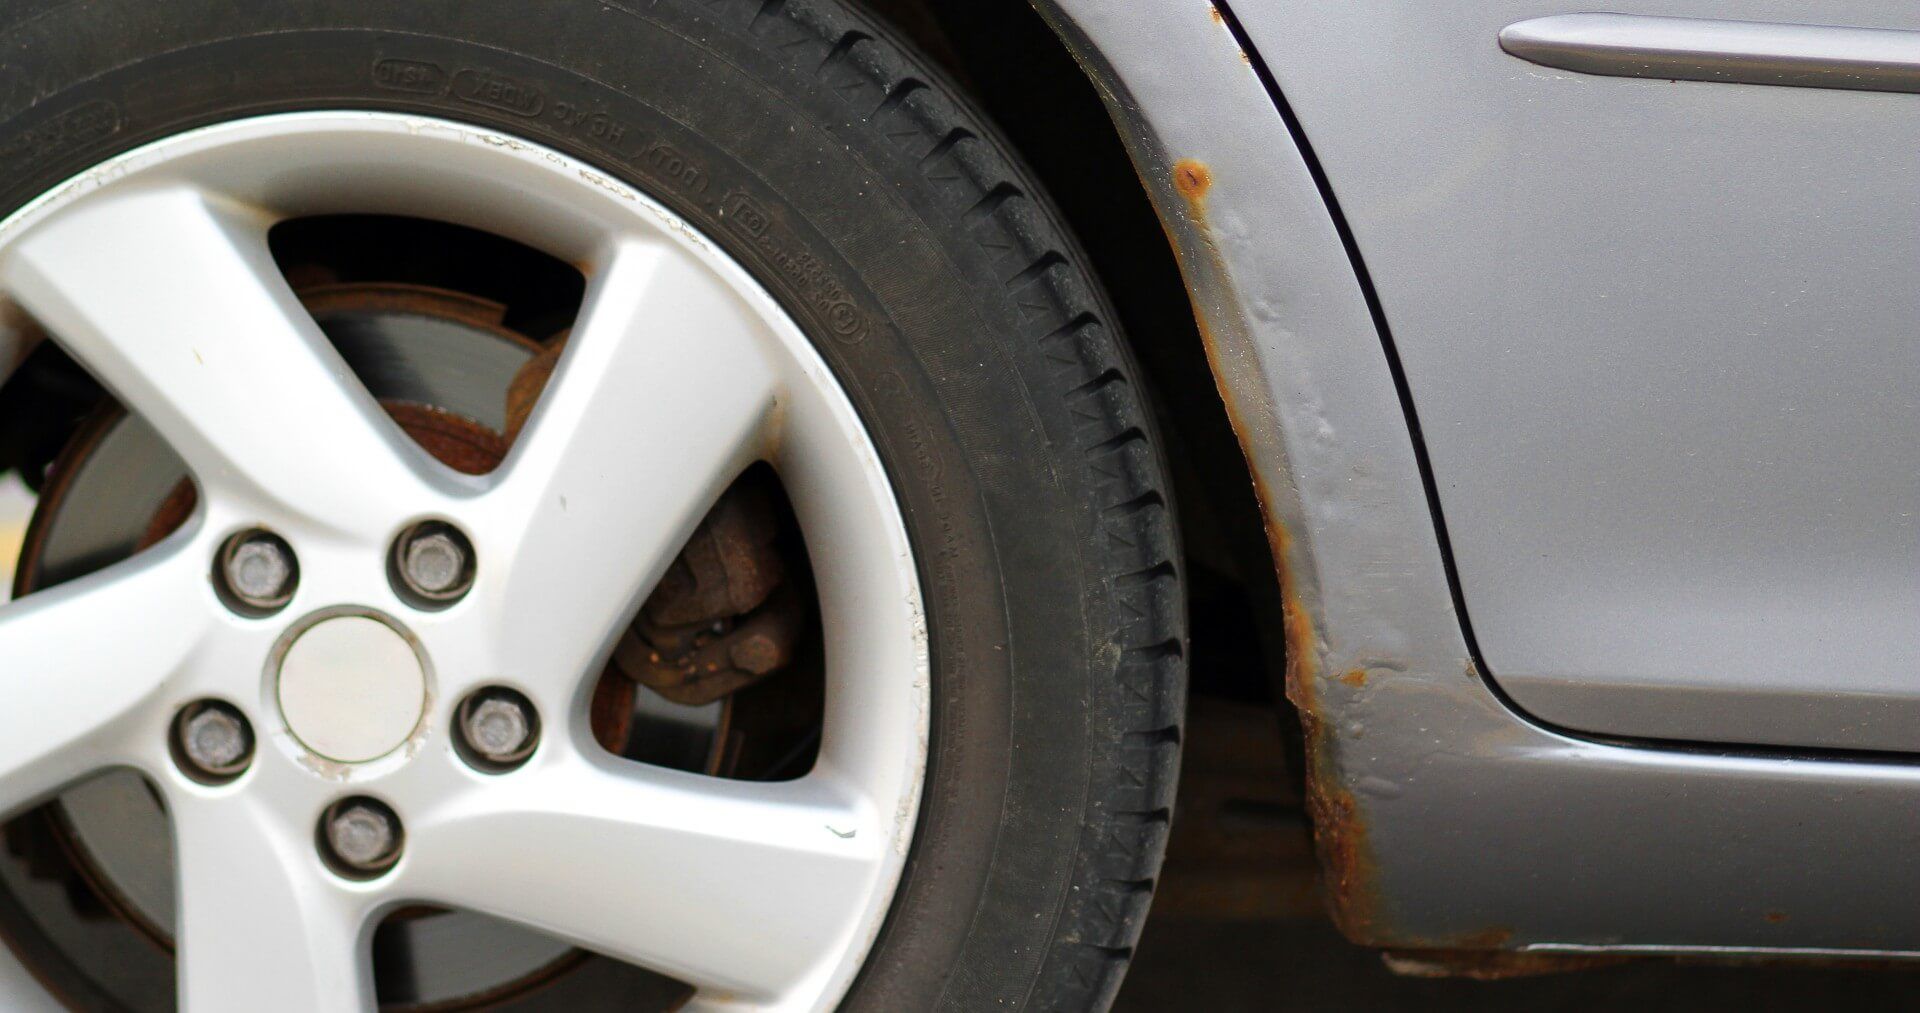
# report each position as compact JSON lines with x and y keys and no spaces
{"x":432,"y":564}
{"x":256,"y":572}
{"x":360,"y":837}
{"x":212,"y":741}
{"x":497,"y":729}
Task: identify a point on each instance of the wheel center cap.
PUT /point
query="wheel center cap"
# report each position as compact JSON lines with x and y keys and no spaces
{"x":352,"y":688}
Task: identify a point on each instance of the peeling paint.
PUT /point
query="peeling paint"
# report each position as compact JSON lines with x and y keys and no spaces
{"x":319,"y":766}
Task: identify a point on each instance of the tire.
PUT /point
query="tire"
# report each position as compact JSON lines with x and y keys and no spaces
{"x":940,"y":287}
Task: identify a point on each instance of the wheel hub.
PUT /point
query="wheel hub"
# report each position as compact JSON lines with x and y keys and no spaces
{"x":352,"y":687}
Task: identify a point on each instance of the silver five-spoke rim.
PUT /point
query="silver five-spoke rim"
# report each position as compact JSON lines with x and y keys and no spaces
{"x":153,"y":271}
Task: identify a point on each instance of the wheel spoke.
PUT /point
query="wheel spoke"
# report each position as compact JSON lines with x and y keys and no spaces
{"x":79,"y":657}
{"x":663,"y":397}
{"x":732,"y":886}
{"x":171,"y":298}
{"x":260,"y":927}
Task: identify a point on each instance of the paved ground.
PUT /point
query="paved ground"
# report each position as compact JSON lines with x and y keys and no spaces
{"x":1229,"y":965}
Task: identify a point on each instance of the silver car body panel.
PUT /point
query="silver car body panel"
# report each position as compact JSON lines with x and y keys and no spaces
{"x":1448,"y":817}
{"x":1658,"y":335}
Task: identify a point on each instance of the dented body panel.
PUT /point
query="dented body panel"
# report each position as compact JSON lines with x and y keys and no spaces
{"x":1446,"y":819}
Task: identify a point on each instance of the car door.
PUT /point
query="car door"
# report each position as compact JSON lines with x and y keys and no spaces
{"x":1659,"y":338}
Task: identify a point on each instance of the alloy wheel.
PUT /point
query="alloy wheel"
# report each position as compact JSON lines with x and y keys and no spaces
{"x":363,"y":681}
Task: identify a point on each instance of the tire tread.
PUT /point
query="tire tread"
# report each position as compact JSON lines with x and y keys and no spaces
{"x":990,"y":201}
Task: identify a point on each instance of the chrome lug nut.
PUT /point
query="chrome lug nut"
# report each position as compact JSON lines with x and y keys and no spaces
{"x":256,"y":572}
{"x":212,"y":741}
{"x":215,"y":739}
{"x":497,"y":729}
{"x":360,"y":837}
{"x":432,"y":564}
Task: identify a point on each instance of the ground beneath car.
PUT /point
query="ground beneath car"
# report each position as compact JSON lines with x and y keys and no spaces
{"x":1303,"y":964}
{"x":1237,"y":923}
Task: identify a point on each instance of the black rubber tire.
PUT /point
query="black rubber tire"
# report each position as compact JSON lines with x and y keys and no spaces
{"x":940,"y":287}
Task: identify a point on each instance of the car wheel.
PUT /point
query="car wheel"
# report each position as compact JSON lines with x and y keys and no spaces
{"x":578,"y":505}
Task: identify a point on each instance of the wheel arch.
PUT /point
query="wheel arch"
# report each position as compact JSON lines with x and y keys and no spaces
{"x":1295,"y":348}
{"x":1049,"y":90}
{"x":1324,"y":454}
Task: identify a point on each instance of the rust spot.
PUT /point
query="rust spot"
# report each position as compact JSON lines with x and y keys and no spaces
{"x":1356,"y":678}
{"x":1214,"y":12}
{"x":1193,"y":179}
{"x":1775,"y":917}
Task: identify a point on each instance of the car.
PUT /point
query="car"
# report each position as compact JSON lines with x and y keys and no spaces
{"x":722,"y":504}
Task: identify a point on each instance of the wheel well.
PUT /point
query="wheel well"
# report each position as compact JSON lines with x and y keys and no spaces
{"x":1014,"y":65}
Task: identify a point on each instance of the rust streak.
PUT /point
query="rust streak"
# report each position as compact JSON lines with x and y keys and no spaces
{"x":1340,"y":830}
{"x":1340,"y":837}
{"x":1355,"y":678}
